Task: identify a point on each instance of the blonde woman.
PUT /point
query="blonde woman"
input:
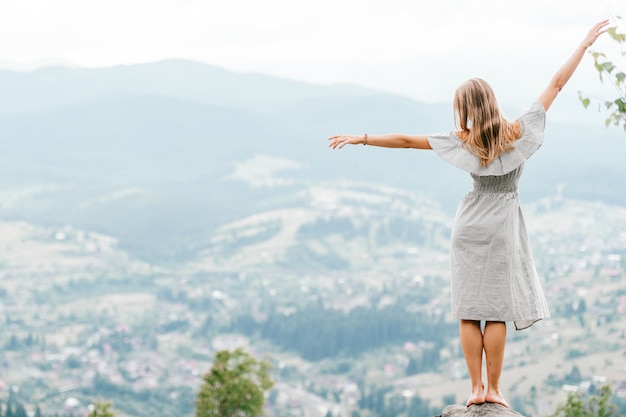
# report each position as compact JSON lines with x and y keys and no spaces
{"x":493,"y":274}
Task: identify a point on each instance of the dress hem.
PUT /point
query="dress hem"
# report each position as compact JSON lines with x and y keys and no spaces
{"x":520,"y":324}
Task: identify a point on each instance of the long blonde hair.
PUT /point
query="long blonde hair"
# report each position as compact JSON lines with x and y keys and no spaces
{"x":476,"y":113}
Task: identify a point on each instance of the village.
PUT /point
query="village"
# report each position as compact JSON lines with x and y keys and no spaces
{"x":86,"y":323}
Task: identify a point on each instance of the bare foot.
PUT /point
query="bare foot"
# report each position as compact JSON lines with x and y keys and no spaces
{"x":477,"y":397}
{"x":496,"y":397}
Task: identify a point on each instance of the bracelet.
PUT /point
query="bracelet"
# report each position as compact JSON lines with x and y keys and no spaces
{"x":365,"y":139}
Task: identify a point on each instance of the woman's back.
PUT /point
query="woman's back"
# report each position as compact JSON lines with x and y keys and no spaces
{"x":507,"y":183}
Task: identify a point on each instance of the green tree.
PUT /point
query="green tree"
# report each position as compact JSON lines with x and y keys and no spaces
{"x":608,"y":70}
{"x":598,"y":405}
{"x":9,"y":411}
{"x":38,"y":412}
{"x":413,"y":367}
{"x":234,"y":387}
{"x":101,"y":410}
{"x":419,"y":407}
{"x":20,"y":411}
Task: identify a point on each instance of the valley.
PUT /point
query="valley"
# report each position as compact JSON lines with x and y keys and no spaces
{"x":84,"y":320}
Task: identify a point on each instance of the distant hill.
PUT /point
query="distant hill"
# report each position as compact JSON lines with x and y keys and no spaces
{"x":148,"y":152}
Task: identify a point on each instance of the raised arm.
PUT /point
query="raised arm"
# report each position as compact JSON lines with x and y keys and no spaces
{"x":565,"y":72}
{"x":393,"y":140}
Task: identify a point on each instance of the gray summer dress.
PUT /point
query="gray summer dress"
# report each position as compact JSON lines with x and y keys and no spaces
{"x":493,"y":272}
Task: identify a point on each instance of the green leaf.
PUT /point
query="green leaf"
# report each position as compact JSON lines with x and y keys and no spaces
{"x":599,"y":69}
{"x":585,"y":102}
{"x":597,"y":55}
{"x":619,"y":37}
{"x":620,"y":77}
{"x":608,"y":66}
{"x":621,"y":105}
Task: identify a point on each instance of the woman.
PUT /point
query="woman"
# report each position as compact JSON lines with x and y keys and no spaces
{"x":493,"y":275}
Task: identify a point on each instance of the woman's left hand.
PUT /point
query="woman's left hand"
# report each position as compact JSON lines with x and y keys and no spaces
{"x":597,"y":30}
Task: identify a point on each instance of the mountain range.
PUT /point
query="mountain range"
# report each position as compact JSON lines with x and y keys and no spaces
{"x":160,"y":155}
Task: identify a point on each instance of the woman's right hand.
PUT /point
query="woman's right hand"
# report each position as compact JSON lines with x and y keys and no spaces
{"x":339,"y":141}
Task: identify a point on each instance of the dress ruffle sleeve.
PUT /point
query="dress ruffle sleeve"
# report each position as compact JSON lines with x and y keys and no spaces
{"x":450,"y":148}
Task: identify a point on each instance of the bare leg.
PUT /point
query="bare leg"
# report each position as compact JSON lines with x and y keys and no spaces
{"x":472,"y":344}
{"x":494,"y":341}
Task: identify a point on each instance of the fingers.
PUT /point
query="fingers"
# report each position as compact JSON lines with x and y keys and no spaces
{"x":338,"y":141}
{"x":597,"y":30}
{"x":339,"y":144}
{"x":599,"y":27}
{"x":335,"y":142}
{"x":601,"y":23}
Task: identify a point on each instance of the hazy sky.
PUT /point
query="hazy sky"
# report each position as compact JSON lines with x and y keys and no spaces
{"x":423,"y":49}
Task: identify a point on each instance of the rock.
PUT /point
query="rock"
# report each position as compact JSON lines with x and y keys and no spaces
{"x":479,"y":410}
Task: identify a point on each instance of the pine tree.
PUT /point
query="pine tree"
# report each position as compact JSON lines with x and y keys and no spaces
{"x":38,"y":412}
{"x":412,"y":368}
{"x":9,"y":411}
{"x":20,"y":411}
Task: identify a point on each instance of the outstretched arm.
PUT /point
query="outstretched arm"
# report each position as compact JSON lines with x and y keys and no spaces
{"x":565,"y":72}
{"x":387,"y":141}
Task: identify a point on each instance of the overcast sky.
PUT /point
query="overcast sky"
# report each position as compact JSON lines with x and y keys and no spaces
{"x":422,"y":49}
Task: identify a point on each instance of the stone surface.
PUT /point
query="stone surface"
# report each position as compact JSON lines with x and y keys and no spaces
{"x":479,"y":410}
